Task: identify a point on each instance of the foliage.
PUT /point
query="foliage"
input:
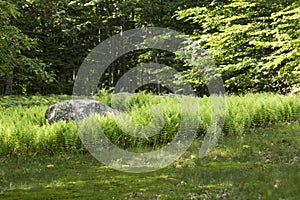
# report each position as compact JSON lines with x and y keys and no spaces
{"x":255,"y":44}
{"x":261,"y":165}
{"x":18,"y":71}
{"x":66,"y":31}
{"x":25,"y":130}
{"x":252,"y":110}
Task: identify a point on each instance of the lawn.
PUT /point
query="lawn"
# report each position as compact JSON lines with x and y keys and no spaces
{"x":263,"y":163}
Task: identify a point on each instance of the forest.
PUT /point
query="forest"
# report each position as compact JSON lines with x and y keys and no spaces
{"x":236,"y":137}
{"x":254,"y":43}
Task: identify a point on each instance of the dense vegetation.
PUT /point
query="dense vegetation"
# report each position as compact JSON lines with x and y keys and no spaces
{"x":24,"y":129}
{"x":255,"y":47}
{"x":255,"y":43}
{"x":50,"y":161}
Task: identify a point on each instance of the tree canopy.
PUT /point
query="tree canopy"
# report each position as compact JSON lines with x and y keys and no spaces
{"x":255,"y":44}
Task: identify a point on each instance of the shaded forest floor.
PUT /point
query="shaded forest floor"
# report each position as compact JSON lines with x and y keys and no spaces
{"x":262,"y":164}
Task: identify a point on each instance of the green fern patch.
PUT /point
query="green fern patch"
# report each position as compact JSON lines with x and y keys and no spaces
{"x":146,"y":121}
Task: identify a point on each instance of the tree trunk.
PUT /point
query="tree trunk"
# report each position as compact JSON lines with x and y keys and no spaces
{"x":156,"y":60}
{"x":9,"y":83}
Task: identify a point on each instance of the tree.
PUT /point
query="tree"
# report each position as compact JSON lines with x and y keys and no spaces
{"x":255,"y":44}
{"x":18,"y":72}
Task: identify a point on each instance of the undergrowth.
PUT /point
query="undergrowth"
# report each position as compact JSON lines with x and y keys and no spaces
{"x":156,"y":120}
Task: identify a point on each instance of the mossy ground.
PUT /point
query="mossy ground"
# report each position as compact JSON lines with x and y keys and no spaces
{"x":261,"y":164}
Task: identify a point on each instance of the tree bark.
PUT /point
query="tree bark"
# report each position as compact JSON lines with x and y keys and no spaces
{"x":9,"y":82}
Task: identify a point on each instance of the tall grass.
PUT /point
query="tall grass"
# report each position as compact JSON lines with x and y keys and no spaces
{"x":24,"y":130}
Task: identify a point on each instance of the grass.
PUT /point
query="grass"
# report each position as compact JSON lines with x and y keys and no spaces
{"x":263,"y":163}
{"x":12,"y":101}
{"x":256,"y":158}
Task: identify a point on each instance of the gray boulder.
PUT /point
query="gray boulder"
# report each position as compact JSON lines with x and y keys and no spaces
{"x":76,"y":110}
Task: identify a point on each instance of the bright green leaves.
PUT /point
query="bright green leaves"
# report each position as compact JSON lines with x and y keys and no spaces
{"x":254,"y":44}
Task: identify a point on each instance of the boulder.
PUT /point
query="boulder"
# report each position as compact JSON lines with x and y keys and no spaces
{"x":76,"y":110}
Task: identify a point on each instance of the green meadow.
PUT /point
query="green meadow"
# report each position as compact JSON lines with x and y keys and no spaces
{"x":256,"y":157}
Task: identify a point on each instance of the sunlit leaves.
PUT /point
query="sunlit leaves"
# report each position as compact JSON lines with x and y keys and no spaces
{"x":255,"y":44}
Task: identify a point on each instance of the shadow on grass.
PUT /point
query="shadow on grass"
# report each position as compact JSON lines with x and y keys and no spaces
{"x":262,"y":164}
